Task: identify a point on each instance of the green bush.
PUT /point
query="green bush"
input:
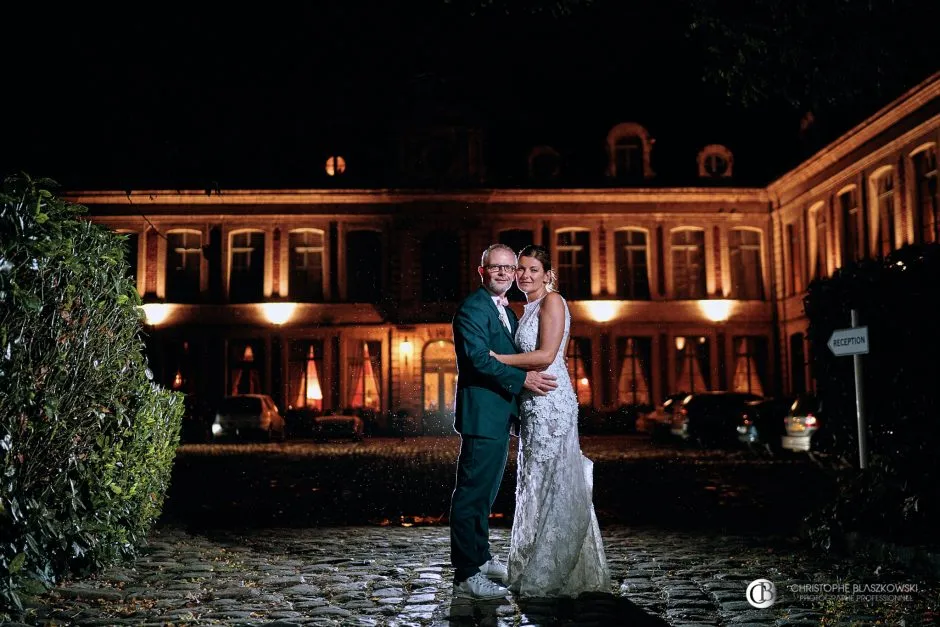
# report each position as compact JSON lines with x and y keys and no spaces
{"x":86,"y":440}
{"x":896,"y":497}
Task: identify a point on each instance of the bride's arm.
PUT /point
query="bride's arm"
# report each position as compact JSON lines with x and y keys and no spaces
{"x":551,"y":328}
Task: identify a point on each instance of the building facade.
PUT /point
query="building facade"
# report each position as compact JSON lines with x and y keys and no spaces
{"x":342,"y":298}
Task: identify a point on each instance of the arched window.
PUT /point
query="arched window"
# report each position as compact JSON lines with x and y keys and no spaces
{"x":818,"y":214}
{"x":246,"y":279}
{"x":715,"y":161}
{"x":628,"y":152}
{"x":847,"y":202}
{"x":747,"y":276}
{"x":688,"y":263}
{"x":306,"y":265}
{"x":883,"y":210}
{"x":632,"y":269}
{"x":440,"y":266}
{"x":926,"y":218}
{"x":131,"y":251}
{"x":364,"y":263}
{"x":574,"y":263}
{"x":183,"y":260}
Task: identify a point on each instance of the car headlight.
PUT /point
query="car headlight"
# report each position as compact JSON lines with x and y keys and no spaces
{"x":216,"y":428}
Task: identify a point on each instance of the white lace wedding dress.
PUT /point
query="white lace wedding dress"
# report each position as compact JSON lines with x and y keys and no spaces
{"x":556,"y":547}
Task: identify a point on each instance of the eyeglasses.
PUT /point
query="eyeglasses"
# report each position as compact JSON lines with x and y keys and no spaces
{"x":494,"y":268}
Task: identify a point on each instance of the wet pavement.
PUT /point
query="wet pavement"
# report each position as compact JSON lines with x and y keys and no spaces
{"x":686,"y":532}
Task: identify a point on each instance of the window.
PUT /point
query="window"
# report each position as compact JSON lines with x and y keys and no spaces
{"x":632,"y":272}
{"x":363,"y":266}
{"x":926,"y":220}
{"x":747,"y":276}
{"x":795,"y":259}
{"x":634,"y":355}
{"x":516,"y":239}
{"x":578,"y":358}
{"x":715,"y":161}
{"x":365,"y":374}
{"x":822,"y":248}
{"x":440,"y":267}
{"x":177,"y":367}
{"x":440,"y":377}
{"x":693,"y":373}
{"x":306,"y":266}
{"x":574,"y":264}
{"x":246,"y":284}
{"x":335,"y":166}
{"x":183,"y":256}
{"x":884,"y":205}
{"x":628,"y":158}
{"x":131,"y":243}
{"x":628,"y":152}
{"x":851,"y":226}
{"x":688,"y":263}
{"x":306,"y":372}
{"x":750,"y":365}
{"x":246,"y":364}
{"x":544,"y":163}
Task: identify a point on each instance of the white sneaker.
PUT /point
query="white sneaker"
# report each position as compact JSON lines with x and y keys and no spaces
{"x":479,"y":587}
{"x":494,"y":569}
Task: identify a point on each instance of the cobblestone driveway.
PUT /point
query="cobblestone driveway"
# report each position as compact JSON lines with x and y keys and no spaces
{"x":401,"y":576}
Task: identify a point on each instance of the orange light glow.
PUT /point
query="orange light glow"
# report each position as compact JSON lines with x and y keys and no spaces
{"x":155,"y":313}
{"x":278,"y":313}
{"x":716,"y":310}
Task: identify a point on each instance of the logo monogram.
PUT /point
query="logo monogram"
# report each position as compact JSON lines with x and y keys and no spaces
{"x":761,"y":593}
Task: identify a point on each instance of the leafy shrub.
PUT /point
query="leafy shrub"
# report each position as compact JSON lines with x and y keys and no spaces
{"x":896,"y":496}
{"x":86,"y":440}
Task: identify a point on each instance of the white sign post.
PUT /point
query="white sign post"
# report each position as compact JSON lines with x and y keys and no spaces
{"x":854,"y":342}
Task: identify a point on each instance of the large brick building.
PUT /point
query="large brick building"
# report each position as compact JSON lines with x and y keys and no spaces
{"x":342,"y":296}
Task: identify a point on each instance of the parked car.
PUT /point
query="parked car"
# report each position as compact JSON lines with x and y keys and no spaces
{"x":659,"y":419}
{"x":299,"y":422}
{"x":762,"y":423}
{"x":801,"y":423}
{"x":338,"y":426}
{"x":248,"y":414}
{"x":710,"y":418}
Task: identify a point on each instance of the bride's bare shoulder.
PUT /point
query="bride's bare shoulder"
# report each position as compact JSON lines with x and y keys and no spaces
{"x":553,"y":303}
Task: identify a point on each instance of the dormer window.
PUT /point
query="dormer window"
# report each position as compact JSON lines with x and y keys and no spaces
{"x":335,"y":166}
{"x":544,"y":163}
{"x":715,"y":161}
{"x":628,"y":153}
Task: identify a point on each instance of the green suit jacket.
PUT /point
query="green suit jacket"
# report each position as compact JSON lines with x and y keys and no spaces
{"x":486,"y":389}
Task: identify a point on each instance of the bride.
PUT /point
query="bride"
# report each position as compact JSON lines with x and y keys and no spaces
{"x":555,"y":547}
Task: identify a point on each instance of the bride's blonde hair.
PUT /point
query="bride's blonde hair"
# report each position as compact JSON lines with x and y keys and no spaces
{"x":541,"y":253}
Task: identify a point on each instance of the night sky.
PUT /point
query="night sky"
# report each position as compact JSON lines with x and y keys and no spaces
{"x":192,"y":97}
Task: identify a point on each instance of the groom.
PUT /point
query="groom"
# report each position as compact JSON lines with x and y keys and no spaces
{"x":486,"y":406}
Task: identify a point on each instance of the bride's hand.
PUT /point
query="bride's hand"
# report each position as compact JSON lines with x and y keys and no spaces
{"x":492,"y":354}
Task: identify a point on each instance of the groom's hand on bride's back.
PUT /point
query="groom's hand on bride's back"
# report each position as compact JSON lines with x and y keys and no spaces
{"x":539,"y":383}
